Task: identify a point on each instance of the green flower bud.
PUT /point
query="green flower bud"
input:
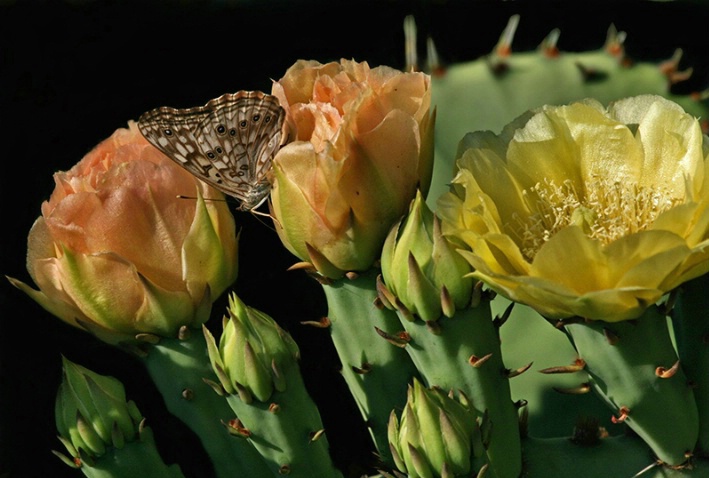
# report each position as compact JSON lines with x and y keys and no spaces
{"x":92,"y":413}
{"x":422,"y":268}
{"x":251,"y":352}
{"x":437,"y":436}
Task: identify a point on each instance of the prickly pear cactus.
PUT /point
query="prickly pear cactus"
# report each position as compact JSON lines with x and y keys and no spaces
{"x":486,"y":94}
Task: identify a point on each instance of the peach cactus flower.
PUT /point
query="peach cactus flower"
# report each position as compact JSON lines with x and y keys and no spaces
{"x":115,"y":252}
{"x":362,"y":144}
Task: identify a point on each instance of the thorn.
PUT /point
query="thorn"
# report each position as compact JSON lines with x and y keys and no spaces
{"x":236,"y":428}
{"x":141,"y":426}
{"x":548,"y":46}
{"x":147,"y":338}
{"x":663,"y":372}
{"x":401,"y":339}
{"x":187,"y":394}
{"x":477,"y":362}
{"x":433,"y":61}
{"x":73,"y":462}
{"x":274,"y":408}
{"x":647,"y":468}
{"x":351,"y":275}
{"x":363,"y":369}
{"x":578,"y":365}
{"x":184,"y":333}
{"x":614,"y":42}
{"x":410,"y":43}
{"x":503,"y":48}
{"x":500,"y":320}
{"x":323,"y":323}
{"x":519,"y":371}
{"x":483,"y":471}
{"x":303,"y":265}
{"x":624,"y":413}
{"x":670,"y":68}
{"x":497,"y":60}
{"x":315,"y":436}
{"x":384,"y":294}
{"x":579,"y":390}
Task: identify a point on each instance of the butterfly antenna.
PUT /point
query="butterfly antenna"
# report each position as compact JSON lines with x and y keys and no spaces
{"x":181,"y":196}
{"x":263,"y":214}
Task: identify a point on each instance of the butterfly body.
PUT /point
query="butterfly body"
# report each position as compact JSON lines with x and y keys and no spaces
{"x":228,"y":143}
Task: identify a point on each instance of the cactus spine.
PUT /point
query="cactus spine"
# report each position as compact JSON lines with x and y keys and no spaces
{"x":256,"y":363}
{"x":630,"y":364}
{"x":377,"y":372}
{"x":178,"y":367}
{"x":692,"y":337}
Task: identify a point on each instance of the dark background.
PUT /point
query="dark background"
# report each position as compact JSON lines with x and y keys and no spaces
{"x":73,"y":72}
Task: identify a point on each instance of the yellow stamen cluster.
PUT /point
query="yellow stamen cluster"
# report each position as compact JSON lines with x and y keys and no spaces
{"x":606,"y":209}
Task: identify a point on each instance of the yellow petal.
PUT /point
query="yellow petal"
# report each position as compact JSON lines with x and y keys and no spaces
{"x":574,"y":260}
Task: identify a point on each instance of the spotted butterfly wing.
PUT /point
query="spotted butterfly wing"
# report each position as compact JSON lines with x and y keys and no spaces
{"x":228,"y":143}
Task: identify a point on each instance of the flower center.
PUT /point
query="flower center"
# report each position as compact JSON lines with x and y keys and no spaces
{"x":606,"y":210}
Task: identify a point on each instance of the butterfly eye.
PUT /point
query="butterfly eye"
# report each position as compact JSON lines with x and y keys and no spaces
{"x":255,"y":118}
{"x":219,"y":150}
{"x":210,"y":155}
{"x":267,"y":119}
{"x":221,"y":129}
{"x":232,"y":132}
{"x":167,"y":131}
{"x":243,"y":124}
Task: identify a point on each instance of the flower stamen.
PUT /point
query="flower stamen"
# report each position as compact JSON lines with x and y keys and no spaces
{"x":606,"y":210}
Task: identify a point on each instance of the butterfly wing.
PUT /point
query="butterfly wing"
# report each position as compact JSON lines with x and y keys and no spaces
{"x":244,"y":131}
{"x":228,"y":143}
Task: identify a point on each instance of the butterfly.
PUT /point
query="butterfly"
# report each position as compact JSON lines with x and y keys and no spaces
{"x":228,"y":143}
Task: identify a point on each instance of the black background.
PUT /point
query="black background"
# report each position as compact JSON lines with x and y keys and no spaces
{"x":73,"y":72}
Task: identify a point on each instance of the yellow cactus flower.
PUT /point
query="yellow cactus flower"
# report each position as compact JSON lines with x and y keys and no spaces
{"x":582,"y":210}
